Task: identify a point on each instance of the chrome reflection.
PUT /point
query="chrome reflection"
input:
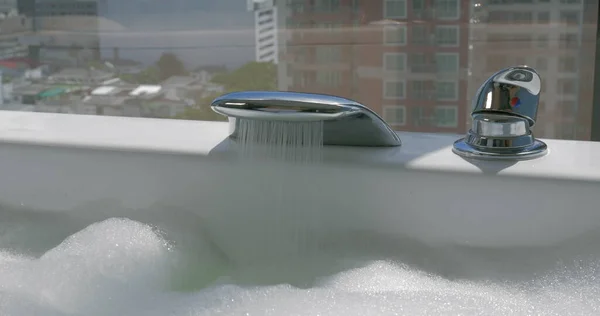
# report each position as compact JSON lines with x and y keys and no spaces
{"x":504,"y":111}
{"x":346,"y":122}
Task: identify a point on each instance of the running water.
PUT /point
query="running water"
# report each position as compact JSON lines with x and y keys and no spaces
{"x":289,"y":142}
{"x":275,"y":151}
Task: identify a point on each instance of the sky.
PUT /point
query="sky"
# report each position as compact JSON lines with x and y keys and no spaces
{"x":200,"y":32}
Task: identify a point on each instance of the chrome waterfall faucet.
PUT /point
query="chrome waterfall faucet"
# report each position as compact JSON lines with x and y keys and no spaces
{"x":504,"y":111}
{"x":346,"y":122}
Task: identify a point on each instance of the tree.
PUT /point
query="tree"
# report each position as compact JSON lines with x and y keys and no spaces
{"x":251,"y":76}
{"x":201,"y":111}
{"x":149,"y":75}
{"x":170,"y":65}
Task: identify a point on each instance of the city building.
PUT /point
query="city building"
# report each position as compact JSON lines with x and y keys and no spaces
{"x":77,"y":22}
{"x":548,"y":38}
{"x":12,"y":27}
{"x":8,"y":6}
{"x":405,"y":59}
{"x":266,"y":30}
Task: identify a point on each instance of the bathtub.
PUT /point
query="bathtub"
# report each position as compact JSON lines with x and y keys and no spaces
{"x":68,"y":164}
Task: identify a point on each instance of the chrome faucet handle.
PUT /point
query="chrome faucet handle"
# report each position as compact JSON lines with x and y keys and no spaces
{"x":514,"y":91}
{"x":345,"y":122}
{"x":504,"y":111}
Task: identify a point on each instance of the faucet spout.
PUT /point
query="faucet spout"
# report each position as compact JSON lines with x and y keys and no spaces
{"x":346,"y":122}
{"x":504,"y":111}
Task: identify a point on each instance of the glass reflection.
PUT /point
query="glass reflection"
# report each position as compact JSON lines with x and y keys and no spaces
{"x":417,"y":63}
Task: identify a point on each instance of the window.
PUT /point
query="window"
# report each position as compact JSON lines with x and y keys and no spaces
{"x":297,"y":7}
{"x":567,"y":64}
{"x":301,"y":54}
{"x":569,"y":17}
{"x":394,"y":61}
{"x":542,"y":41}
{"x":393,"y":89}
{"x":567,"y":108}
{"x":420,"y":63}
{"x":419,"y":34}
{"x":567,"y":86}
{"x":568,"y":40}
{"x":327,"y":5}
{"x":420,"y":89}
{"x":394,"y":114}
{"x":394,"y":35}
{"x":301,"y":79}
{"x":447,"y":35}
{"x":446,"y":116}
{"x":418,"y":116}
{"x":415,"y":53}
{"x":543,"y":17}
{"x":328,"y":78}
{"x":327,"y":54}
{"x":394,"y":9}
{"x":418,"y":6}
{"x":446,"y":90}
{"x":541,"y":63}
{"x":447,"y":9}
{"x":447,"y":62}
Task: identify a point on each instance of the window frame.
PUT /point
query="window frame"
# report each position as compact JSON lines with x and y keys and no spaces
{"x":404,"y":63}
{"x":385,"y":10}
{"x":396,"y":107}
{"x":454,"y":107}
{"x":454,"y":18}
{"x":385,"y":84}
{"x":457,"y":54}
{"x":444,"y":26}
{"x":456,"y":90}
{"x":394,"y":28}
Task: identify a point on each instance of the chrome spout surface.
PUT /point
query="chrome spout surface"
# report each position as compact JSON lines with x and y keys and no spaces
{"x":346,"y":122}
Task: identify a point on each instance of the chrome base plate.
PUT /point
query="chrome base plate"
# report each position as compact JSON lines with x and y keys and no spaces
{"x":535,"y":150}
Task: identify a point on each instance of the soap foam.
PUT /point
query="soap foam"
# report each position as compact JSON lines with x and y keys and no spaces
{"x":123,"y":267}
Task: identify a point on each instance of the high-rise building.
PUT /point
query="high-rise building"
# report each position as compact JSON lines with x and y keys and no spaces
{"x":548,"y":38}
{"x":73,"y":22}
{"x":266,"y":29}
{"x":405,"y":59}
{"x":8,"y":6}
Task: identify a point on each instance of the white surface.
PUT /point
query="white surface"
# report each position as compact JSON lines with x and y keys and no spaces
{"x":75,"y":163}
{"x":567,"y":159}
{"x":145,"y":89}
{"x":122,"y":267}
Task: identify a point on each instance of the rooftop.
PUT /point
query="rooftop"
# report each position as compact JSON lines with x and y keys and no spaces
{"x":104,"y":100}
{"x":179,"y":81}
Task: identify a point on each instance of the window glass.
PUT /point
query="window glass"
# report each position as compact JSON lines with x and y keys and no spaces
{"x":393,"y":89}
{"x":395,"y":115}
{"x":447,"y":35}
{"x":395,"y":61}
{"x":170,"y":59}
{"x":446,"y":116}
{"x":394,"y":9}
{"x":394,"y":35}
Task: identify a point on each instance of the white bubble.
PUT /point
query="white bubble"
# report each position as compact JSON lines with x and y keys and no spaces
{"x":122,"y":267}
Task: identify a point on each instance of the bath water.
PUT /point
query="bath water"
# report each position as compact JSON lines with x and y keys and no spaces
{"x":271,"y":257}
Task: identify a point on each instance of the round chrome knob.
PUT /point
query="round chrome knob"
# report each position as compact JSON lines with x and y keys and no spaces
{"x":504,"y":111}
